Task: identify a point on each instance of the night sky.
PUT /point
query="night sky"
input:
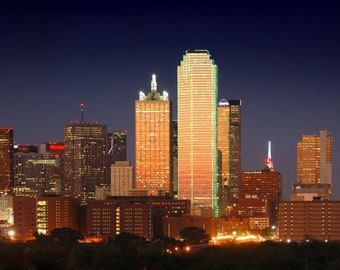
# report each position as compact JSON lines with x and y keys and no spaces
{"x":281,"y":58}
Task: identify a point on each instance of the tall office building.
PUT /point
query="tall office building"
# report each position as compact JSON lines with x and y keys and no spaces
{"x":229,"y":145}
{"x":117,"y":141}
{"x":85,"y":159}
{"x":34,"y":175}
{"x":6,"y":159}
{"x":153,"y":114}
{"x":197,"y":130}
{"x":314,"y":159}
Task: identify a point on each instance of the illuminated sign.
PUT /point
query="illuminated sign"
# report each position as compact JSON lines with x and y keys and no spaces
{"x":57,"y":147}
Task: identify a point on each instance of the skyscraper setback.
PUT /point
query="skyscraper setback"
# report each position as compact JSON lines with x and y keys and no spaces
{"x":153,"y":114}
{"x":197,"y":97}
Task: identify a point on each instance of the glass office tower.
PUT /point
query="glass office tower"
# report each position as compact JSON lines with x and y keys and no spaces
{"x":197,"y":130}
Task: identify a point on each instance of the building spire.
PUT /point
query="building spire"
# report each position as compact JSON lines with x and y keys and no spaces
{"x":268,"y":163}
{"x":154,"y":83}
{"x":82,"y":113}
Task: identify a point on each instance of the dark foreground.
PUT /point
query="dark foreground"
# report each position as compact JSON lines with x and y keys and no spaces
{"x":146,"y":255}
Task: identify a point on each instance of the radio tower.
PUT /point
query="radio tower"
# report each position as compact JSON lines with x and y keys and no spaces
{"x":268,"y":163}
{"x":82,"y":113}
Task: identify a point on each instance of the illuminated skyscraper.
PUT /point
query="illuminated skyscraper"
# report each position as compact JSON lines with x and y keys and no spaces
{"x":6,"y":159}
{"x":197,"y":130}
{"x":85,"y":159}
{"x":229,"y":145}
{"x":314,"y":159}
{"x":153,"y":114}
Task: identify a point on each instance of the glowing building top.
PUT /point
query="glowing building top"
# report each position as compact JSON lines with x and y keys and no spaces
{"x":153,"y":95}
{"x":268,"y":162}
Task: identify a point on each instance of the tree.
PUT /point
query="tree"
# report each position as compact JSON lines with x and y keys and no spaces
{"x":194,"y":235}
{"x":66,"y":235}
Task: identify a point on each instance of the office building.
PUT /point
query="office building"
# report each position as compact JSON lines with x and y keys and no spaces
{"x":34,"y":175}
{"x":139,"y":215}
{"x":85,"y":159}
{"x":197,"y":130}
{"x":153,"y":114}
{"x":309,"y":220}
{"x":117,"y":140}
{"x":314,"y":159}
{"x":6,"y":159}
{"x":311,"y":192}
{"x":43,"y":214}
{"x":175,"y":158}
{"x":265,"y":184}
{"x":229,"y":145}
{"x":121,"y":178}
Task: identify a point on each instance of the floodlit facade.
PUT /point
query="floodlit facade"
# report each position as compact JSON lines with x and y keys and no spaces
{"x":153,"y":116}
{"x":6,"y":158}
{"x":197,"y":130}
{"x":85,"y":159}
{"x":314,"y":159}
{"x":229,"y":146}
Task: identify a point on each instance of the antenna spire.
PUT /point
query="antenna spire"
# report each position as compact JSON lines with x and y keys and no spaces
{"x":268,"y":163}
{"x":153,"y":83}
{"x":82,"y":113}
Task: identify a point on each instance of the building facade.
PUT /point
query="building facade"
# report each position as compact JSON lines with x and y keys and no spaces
{"x":138,"y":215}
{"x":34,"y":175}
{"x":153,"y":115}
{"x":6,"y":159}
{"x":197,"y":94}
{"x":229,"y":146}
{"x":43,"y":214}
{"x":309,"y":220}
{"x":264,"y":184}
{"x":122,"y":177}
{"x":85,"y":159}
{"x":314,"y":159}
{"x":117,"y":140}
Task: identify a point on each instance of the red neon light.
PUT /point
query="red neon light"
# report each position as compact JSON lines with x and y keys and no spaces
{"x":57,"y":147}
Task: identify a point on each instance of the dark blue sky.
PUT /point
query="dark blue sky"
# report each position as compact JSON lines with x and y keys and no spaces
{"x":282,"y":58}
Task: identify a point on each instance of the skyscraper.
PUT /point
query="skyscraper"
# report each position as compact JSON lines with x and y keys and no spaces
{"x":6,"y":159}
{"x":314,"y":159}
{"x":117,"y":141}
{"x":153,"y":114}
{"x":229,"y":145}
{"x":85,"y":159}
{"x":197,"y":130}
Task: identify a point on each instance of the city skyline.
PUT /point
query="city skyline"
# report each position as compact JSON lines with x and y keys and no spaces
{"x":280,"y":59}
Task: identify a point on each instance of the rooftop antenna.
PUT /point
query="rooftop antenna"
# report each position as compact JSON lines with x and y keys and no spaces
{"x":268,"y":161}
{"x":82,"y":113}
{"x":154,"y":83}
